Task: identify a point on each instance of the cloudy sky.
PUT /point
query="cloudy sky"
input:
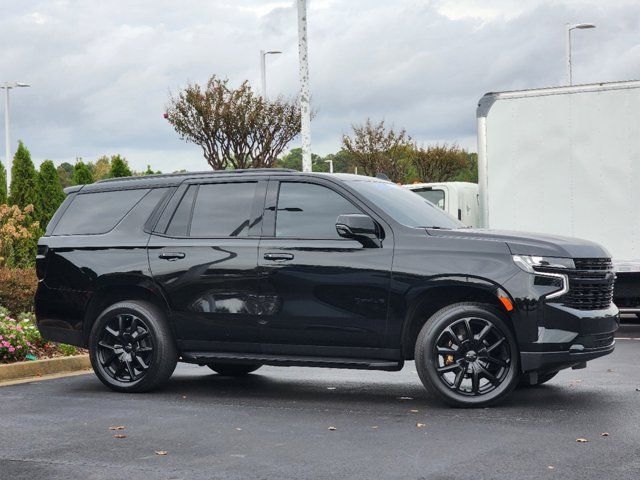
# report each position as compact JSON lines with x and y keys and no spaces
{"x":101,"y":70}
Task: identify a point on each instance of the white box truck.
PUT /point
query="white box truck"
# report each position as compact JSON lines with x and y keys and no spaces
{"x":459,"y":199}
{"x":566,"y":161}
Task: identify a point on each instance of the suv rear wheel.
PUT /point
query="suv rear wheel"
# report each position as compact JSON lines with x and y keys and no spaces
{"x":131,"y":347}
{"x":234,"y":369}
{"x":467,"y":356}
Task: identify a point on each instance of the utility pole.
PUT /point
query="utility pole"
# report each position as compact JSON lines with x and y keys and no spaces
{"x":569,"y":27}
{"x":263,"y":69}
{"x":305,"y":108}
{"x":7,"y":140}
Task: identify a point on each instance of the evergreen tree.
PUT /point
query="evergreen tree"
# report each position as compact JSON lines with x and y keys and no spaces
{"x":3,"y":184}
{"x":50,"y":190}
{"x":24,"y":180}
{"x":65,"y":174}
{"x":81,"y":174}
{"x":119,"y":167}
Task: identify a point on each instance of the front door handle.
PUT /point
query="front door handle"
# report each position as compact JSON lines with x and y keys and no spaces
{"x":171,"y":256}
{"x":278,"y":256}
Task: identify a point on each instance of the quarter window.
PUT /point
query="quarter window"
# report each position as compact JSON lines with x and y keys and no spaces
{"x":306,"y":210}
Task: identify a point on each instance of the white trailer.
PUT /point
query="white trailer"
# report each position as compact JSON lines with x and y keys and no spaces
{"x":459,"y":199}
{"x":566,"y":161}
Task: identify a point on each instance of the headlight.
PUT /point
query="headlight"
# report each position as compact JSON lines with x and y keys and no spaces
{"x":532,"y":264}
{"x":540,"y":266}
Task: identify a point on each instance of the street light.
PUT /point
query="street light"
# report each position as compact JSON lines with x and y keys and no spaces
{"x":330,"y":162}
{"x":569,"y":27}
{"x":263,"y":69}
{"x":7,"y":147}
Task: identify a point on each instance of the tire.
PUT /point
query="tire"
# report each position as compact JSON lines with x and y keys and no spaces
{"x":457,"y":367}
{"x":234,"y":369}
{"x":543,"y":377}
{"x":131,"y":347}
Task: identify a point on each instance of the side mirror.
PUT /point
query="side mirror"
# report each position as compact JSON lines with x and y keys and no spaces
{"x":359,"y":227}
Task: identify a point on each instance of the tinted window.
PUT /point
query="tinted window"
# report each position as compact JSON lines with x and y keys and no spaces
{"x":95,"y":213}
{"x":180,"y":221}
{"x":309,"y":211}
{"x":223,"y":210}
{"x":434,"y":196}
{"x":403,"y":205}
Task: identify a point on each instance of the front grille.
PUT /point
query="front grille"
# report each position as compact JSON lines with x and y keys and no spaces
{"x":590,"y":284}
{"x":598,"y":340}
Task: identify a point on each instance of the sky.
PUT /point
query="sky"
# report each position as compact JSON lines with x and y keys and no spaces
{"x":101,"y":71}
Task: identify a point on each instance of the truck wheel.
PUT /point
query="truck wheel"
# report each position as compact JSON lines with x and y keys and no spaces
{"x":234,"y":369}
{"x":543,"y":377}
{"x":467,"y":356}
{"x":131,"y":347}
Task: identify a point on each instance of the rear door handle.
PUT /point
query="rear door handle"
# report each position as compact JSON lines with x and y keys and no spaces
{"x":278,"y":256}
{"x":171,"y":255}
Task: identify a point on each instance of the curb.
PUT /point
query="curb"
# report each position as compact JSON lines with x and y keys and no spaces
{"x":48,"y":366}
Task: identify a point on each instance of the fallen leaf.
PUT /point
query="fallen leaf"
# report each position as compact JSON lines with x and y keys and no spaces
{"x":413,"y":410}
{"x":162,"y":453}
{"x":184,"y":396}
{"x":375,"y":427}
{"x":551,"y":467}
{"x":332,"y":428}
{"x":331,"y":388}
{"x":610,"y":370}
{"x":239,"y":429}
{"x":405,"y":398}
{"x":420,"y":425}
{"x":119,"y":427}
{"x":581,"y":440}
{"x":119,"y":435}
{"x":604,"y":434}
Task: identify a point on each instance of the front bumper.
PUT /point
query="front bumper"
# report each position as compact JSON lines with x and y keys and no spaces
{"x":554,"y":361}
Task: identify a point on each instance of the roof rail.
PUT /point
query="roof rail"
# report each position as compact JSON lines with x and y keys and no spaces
{"x":206,"y":172}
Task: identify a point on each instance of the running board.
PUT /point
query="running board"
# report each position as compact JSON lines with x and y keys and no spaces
{"x":204,"y":358}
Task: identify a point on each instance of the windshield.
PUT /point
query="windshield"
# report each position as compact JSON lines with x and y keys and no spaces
{"x":434,"y":196}
{"x":403,"y":205}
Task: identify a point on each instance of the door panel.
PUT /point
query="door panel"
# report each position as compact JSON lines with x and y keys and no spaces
{"x":324,"y":291}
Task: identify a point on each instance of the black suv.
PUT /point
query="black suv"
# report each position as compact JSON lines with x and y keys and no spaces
{"x":238,"y":269}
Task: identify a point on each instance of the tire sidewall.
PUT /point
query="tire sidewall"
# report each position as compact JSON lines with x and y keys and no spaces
{"x":426,"y":363}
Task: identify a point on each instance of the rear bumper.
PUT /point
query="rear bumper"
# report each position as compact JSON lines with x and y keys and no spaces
{"x":554,"y":361}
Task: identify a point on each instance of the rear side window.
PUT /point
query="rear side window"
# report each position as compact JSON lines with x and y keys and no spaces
{"x":223,"y":210}
{"x":96,"y":213}
{"x":306,"y":210}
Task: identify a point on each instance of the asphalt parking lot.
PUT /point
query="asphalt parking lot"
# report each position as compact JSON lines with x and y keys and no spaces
{"x":278,"y":423}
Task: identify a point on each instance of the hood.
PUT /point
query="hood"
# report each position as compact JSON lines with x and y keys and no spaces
{"x":524,"y":243}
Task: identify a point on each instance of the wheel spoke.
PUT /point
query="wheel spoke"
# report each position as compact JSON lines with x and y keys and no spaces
{"x":119,"y":370}
{"x":467,"y":329}
{"x":134,"y":325}
{"x":120,"y":324}
{"x":141,"y":362}
{"x":489,"y":376}
{"x":112,"y":332}
{"x":495,"y":345}
{"x":106,"y":345}
{"x":458,"y":380}
{"x":130,"y":369}
{"x":446,"y":351}
{"x":475,"y":382}
{"x":484,"y":332}
{"x":448,"y":368}
{"x":144,"y":349}
{"x":109,"y":359}
{"x":453,"y":336}
{"x":496,"y":361}
{"x":140,"y":336}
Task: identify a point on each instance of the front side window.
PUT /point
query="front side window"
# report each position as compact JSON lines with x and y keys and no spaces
{"x":222,"y":210}
{"x":306,"y":210}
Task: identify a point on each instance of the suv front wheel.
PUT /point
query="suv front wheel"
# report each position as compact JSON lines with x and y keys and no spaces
{"x":131,"y":347}
{"x":467,"y":356}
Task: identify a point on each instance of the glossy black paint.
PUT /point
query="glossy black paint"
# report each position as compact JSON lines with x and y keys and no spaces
{"x":338,"y":297}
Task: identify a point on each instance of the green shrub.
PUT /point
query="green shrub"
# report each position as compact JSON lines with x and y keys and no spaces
{"x":17,"y":288}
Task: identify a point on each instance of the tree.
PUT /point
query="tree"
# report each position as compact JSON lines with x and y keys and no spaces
{"x":24,"y":180}
{"x":293,"y":160}
{"x":149,"y":171}
{"x":376,"y":149}
{"x":81,"y":174}
{"x":234,"y":127}
{"x":343,"y":162}
{"x":470,"y":172}
{"x":65,"y":174}
{"x":119,"y":167}
{"x":3,"y":184}
{"x":439,"y":163}
{"x":101,"y":168}
{"x":50,"y":192}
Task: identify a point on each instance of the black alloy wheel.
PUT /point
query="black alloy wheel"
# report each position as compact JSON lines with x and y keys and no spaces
{"x":467,"y":356}
{"x":131,"y":347}
{"x":125,"y":349}
{"x":472,"y":356}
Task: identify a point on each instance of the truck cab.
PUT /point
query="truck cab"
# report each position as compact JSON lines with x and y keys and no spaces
{"x":459,"y":199}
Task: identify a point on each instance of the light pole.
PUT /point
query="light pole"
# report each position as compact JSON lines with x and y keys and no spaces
{"x":569,"y":27}
{"x":305,"y":106}
{"x":330,"y":162}
{"x":263,"y":69}
{"x":7,"y":142}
